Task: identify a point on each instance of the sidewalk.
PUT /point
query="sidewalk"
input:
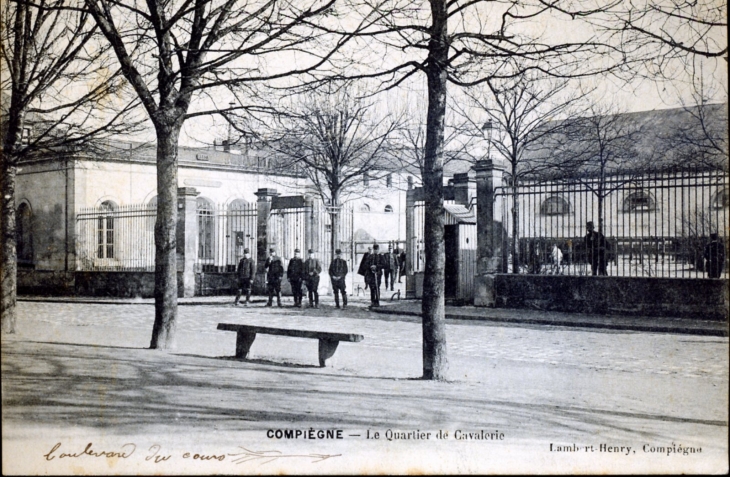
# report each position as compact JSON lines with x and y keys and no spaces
{"x":499,"y":315}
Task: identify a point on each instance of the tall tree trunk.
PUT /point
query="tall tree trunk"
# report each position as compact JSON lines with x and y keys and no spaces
{"x":336,"y":217}
{"x":163,"y":330}
{"x":434,"y":325}
{"x":12,"y":141}
{"x":9,"y":264}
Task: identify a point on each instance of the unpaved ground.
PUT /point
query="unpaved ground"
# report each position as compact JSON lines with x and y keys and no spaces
{"x":79,"y":373}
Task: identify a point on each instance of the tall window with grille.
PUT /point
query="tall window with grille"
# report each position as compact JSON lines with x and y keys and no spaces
{"x":205,"y":228}
{"x":105,"y":231}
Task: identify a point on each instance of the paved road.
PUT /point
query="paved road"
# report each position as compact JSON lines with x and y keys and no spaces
{"x":75,"y":369}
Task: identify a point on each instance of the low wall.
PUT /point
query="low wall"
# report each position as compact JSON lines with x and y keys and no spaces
{"x":119,"y":284}
{"x":45,"y":282}
{"x":676,"y":297}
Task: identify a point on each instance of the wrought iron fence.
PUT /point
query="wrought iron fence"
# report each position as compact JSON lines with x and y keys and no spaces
{"x":224,"y":232}
{"x":654,"y":225}
{"x":119,"y":238}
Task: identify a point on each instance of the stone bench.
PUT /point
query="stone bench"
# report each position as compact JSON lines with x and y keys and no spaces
{"x":328,"y":342}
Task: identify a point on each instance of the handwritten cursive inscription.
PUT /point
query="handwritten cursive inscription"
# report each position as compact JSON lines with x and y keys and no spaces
{"x":125,"y":451}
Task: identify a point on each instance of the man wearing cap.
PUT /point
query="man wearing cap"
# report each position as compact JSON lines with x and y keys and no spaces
{"x":295,"y":275}
{"x":338,"y":272}
{"x":596,"y":250}
{"x":274,"y":273}
{"x":390,"y":267}
{"x":245,"y":274}
{"x":714,"y":256}
{"x":312,"y":269}
{"x":374,"y":275}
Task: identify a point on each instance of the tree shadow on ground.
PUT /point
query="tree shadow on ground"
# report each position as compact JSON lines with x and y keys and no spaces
{"x":130,"y":391}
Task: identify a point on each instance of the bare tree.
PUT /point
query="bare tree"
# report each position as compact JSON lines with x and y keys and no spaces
{"x":463,"y":42}
{"x":519,"y":113}
{"x":335,"y":139}
{"x":46,"y":50}
{"x":175,"y":53}
{"x":667,"y":29}
{"x":594,"y":148}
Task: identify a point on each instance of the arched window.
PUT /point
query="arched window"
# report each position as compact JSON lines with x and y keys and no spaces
{"x":721,"y":199}
{"x":364,"y":208}
{"x":238,"y":204}
{"x":105,"y":230}
{"x":388,"y":209}
{"x":153,"y":202}
{"x":24,"y":235}
{"x":555,"y":205}
{"x":206,"y":222}
{"x":639,"y":202}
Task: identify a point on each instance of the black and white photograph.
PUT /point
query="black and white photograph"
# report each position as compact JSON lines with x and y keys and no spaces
{"x":364,"y":237}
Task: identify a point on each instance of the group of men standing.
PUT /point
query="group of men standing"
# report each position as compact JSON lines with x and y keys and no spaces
{"x":299,"y":272}
{"x":375,"y":265}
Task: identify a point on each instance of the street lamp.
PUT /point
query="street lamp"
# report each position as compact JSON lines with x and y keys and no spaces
{"x":487,"y":129}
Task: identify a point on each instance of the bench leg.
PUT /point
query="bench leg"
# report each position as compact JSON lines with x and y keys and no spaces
{"x":327,"y":348}
{"x":243,"y":343}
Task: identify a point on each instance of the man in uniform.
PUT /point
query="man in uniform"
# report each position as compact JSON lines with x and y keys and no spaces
{"x":295,"y":275}
{"x":312,"y":269}
{"x":401,"y":264}
{"x":390,"y":267}
{"x":374,"y":275}
{"x":338,"y":272}
{"x":245,"y":274}
{"x":274,"y":274}
{"x":596,"y":250}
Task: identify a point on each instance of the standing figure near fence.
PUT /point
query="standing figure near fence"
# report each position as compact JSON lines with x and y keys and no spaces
{"x":401,"y":264}
{"x":363,"y":268}
{"x":374,"y":275}
{"x":312,"y":269}
{"x":596,"y":250}
{"x":714,"y":256}
{"x":557,"y":256}
{"x":338,"y":272}
{"x":245,"y":274}
{"x":390,"y":267}
{"x":274,"y":273}
{"x":295,"y":275}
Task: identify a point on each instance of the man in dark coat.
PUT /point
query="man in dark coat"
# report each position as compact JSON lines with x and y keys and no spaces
{"x":596,"y":249}
{"x":245,"y":274}
{"x":401,"y":264}
{"x":312,"y":269}
{"x":338,"y":272}
{"x":390,"y":267}
{"x":274,"y":273}
{"x":363,"y":268}
{"x":374,"y":275}
{"x":714,"y":256}
{"x":295,"y":275}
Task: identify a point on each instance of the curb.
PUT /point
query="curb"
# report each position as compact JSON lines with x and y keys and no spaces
{"x":719,"y":332}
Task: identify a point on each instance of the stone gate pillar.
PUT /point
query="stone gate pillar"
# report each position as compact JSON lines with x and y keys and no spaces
{"x":187,"y":237}
{"x":489,"y":176}
{"x":265,"y":195}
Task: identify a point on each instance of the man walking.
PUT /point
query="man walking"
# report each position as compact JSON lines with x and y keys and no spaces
{"x":596,"y":250}
{"x":295,"y":275}
{"x":312,"y":269}
{"x":245,"y":274}
{"x":374,"y":275}
{"x":338,"y":272}
{"x":274,"y":274}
